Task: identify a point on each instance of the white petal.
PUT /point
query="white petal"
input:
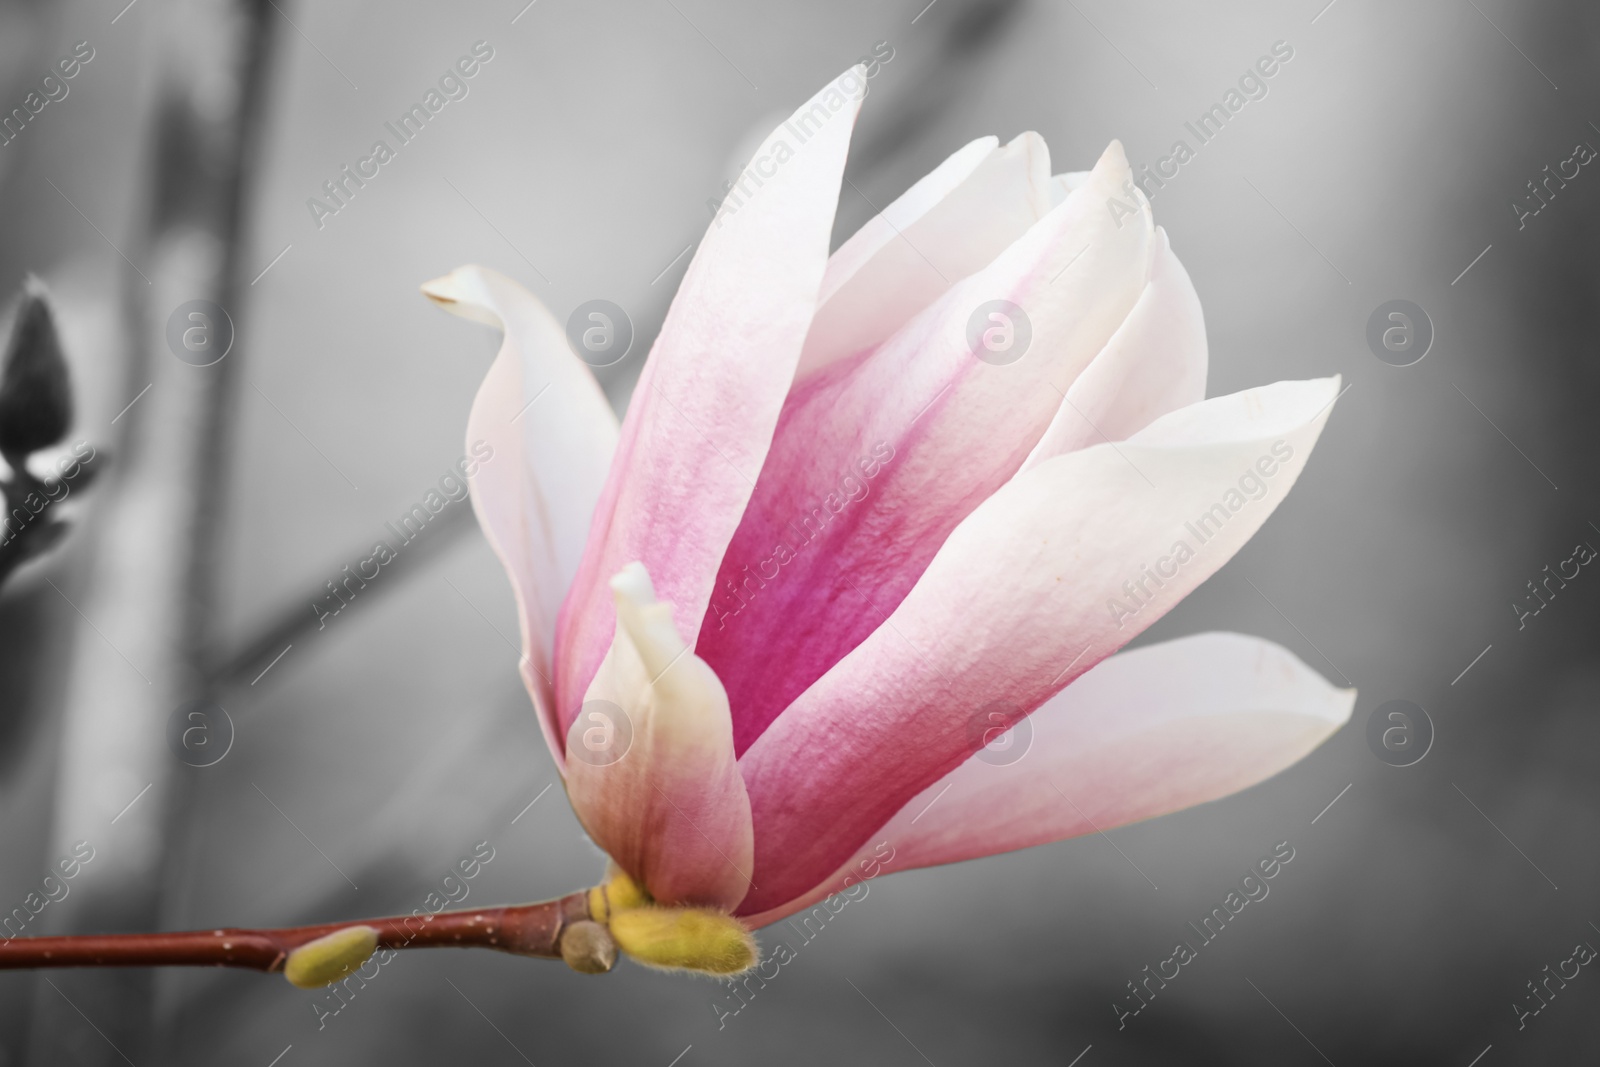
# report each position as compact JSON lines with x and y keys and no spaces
{"x":1153,"y":364}
{"x":551,"y":434}
{"x":948,"y":226}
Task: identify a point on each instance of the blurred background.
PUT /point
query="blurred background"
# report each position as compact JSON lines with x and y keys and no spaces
{"x":351,"y":764}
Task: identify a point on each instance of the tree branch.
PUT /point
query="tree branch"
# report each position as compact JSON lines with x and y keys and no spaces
{"x":522,"y":929}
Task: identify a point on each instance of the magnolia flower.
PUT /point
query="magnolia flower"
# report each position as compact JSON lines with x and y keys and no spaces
{"x":869,"y":511}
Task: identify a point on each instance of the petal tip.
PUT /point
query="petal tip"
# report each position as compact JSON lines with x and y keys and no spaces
{"x":1346,"y":705}
{"x":1114,"y":155}
{"x":470,"y":292}
{"x":1333,"y":389}
{"x":445,"y":289}
{"x":631,"y":586}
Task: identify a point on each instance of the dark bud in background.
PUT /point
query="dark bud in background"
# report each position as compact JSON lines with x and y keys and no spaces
{"x":36,"y":413}
{"x":35,"y":391}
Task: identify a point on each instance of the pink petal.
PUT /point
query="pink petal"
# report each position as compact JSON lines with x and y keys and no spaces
{"x":877,"y":459}
{"x":551,"y":435}
{"x":701,"y":421}
{"x":951,"y":224}
{"x":650,"y":770}
{"x":1153,"y":364}
{"x":1147,"y":732}
{"x":1022,"y":595}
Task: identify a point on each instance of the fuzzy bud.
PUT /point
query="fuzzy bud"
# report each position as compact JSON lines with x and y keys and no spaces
{"x":689,"y":939}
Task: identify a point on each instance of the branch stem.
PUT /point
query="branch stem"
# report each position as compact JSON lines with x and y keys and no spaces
{"x":522,"y":929}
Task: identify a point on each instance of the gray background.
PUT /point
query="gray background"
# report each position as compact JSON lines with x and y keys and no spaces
{"x":1381,"y":163}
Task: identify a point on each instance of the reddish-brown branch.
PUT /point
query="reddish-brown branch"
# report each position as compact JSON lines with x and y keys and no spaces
{"x":523,"y":929}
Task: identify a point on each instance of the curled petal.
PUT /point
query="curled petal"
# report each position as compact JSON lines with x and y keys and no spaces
{"x":541,"y":435}
{"x":1060,"y":568}
{"x":650,"y":765}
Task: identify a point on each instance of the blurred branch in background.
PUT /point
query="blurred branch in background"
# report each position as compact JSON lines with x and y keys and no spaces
{"x":147,"y":600}
{"x":23,"y":26}
{"x":298,"y":619}
{"x":971,"y":36}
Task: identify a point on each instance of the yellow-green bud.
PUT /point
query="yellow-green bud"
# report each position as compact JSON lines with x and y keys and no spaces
{"x":330,"y":957}
{"x":690,"y":939}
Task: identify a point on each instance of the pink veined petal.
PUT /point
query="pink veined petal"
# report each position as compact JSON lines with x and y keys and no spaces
{"x":702,"y":416}
{"x":877,"y":459}
{"x":550,"y":435}
{"x":1060,"y":568}
{"x":1153,"y":364}
{"x":949,"y":225}
{"x":651,"y":771}
{"x":1149,"y":731}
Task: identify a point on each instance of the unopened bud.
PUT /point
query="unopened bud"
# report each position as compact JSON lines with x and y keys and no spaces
{"x":690,"y":939}
{"x":330,"y":957}
{"x":588,"y":947}
{"x":35,"y":390}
